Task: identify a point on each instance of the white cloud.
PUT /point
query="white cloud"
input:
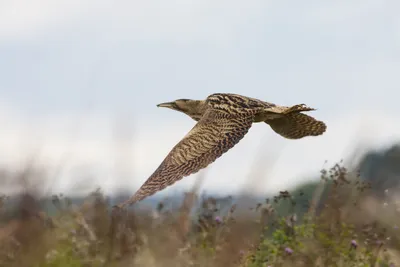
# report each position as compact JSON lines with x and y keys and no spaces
{"x":342,"y":11}
{"x":24,"y":17}
{"x":179,"y":19}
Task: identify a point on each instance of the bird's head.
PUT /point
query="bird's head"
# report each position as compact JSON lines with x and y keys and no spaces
{"x":192,"y":108}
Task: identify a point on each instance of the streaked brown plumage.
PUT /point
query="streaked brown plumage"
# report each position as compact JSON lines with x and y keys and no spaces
{"x":223,"y":120}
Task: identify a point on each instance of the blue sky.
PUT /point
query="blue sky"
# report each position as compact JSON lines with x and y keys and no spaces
{"x":73,"y":71}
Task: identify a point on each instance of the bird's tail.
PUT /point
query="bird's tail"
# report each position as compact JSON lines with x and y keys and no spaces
{"x":295,"y":125}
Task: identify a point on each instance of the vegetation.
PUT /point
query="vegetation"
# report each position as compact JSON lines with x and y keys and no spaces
{"x":337,"y":221}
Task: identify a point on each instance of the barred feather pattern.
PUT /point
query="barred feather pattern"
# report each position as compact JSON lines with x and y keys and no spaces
{"x":297,"y":125}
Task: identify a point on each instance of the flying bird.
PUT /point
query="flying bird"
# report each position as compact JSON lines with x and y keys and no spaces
{"x":222,"y":121}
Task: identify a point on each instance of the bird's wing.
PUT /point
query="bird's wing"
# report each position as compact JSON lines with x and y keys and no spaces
{"x":212,"y":136}
{"x":297,"y":125}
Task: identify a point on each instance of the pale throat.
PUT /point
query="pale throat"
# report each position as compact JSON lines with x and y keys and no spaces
{"x":197,"y":110}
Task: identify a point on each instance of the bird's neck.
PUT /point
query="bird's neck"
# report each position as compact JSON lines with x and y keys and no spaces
{"x":197,"y":109}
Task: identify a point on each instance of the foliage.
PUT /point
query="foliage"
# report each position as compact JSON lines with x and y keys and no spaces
{"x":336,"y":222}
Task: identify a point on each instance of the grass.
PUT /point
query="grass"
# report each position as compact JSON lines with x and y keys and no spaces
{"x":340,"y":223}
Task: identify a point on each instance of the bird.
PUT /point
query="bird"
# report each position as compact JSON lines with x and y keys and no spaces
{"x":223,"y":119}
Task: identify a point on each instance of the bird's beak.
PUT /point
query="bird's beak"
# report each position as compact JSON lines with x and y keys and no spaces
{"x":166,"y":105}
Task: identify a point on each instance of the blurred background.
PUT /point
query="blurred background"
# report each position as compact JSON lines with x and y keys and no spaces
{"x":80,"y":131}
{"x":80,"y":81}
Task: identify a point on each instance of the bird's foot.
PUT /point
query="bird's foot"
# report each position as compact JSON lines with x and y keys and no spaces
{"x":300,"y":107}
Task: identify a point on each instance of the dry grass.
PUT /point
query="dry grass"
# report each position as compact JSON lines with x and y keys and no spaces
{"x":341,"y":225}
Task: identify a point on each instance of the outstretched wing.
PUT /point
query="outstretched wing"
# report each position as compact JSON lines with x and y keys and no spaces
{"x":214,"y":134}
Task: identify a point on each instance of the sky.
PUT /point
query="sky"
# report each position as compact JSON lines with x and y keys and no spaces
{"x":80,"y":81}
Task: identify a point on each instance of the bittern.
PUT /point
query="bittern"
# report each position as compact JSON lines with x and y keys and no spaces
{"x":222,"y":121}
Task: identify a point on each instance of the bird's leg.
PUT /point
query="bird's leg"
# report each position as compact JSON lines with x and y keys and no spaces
{"x":298,"y":108}
{"x":278,"y":112}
